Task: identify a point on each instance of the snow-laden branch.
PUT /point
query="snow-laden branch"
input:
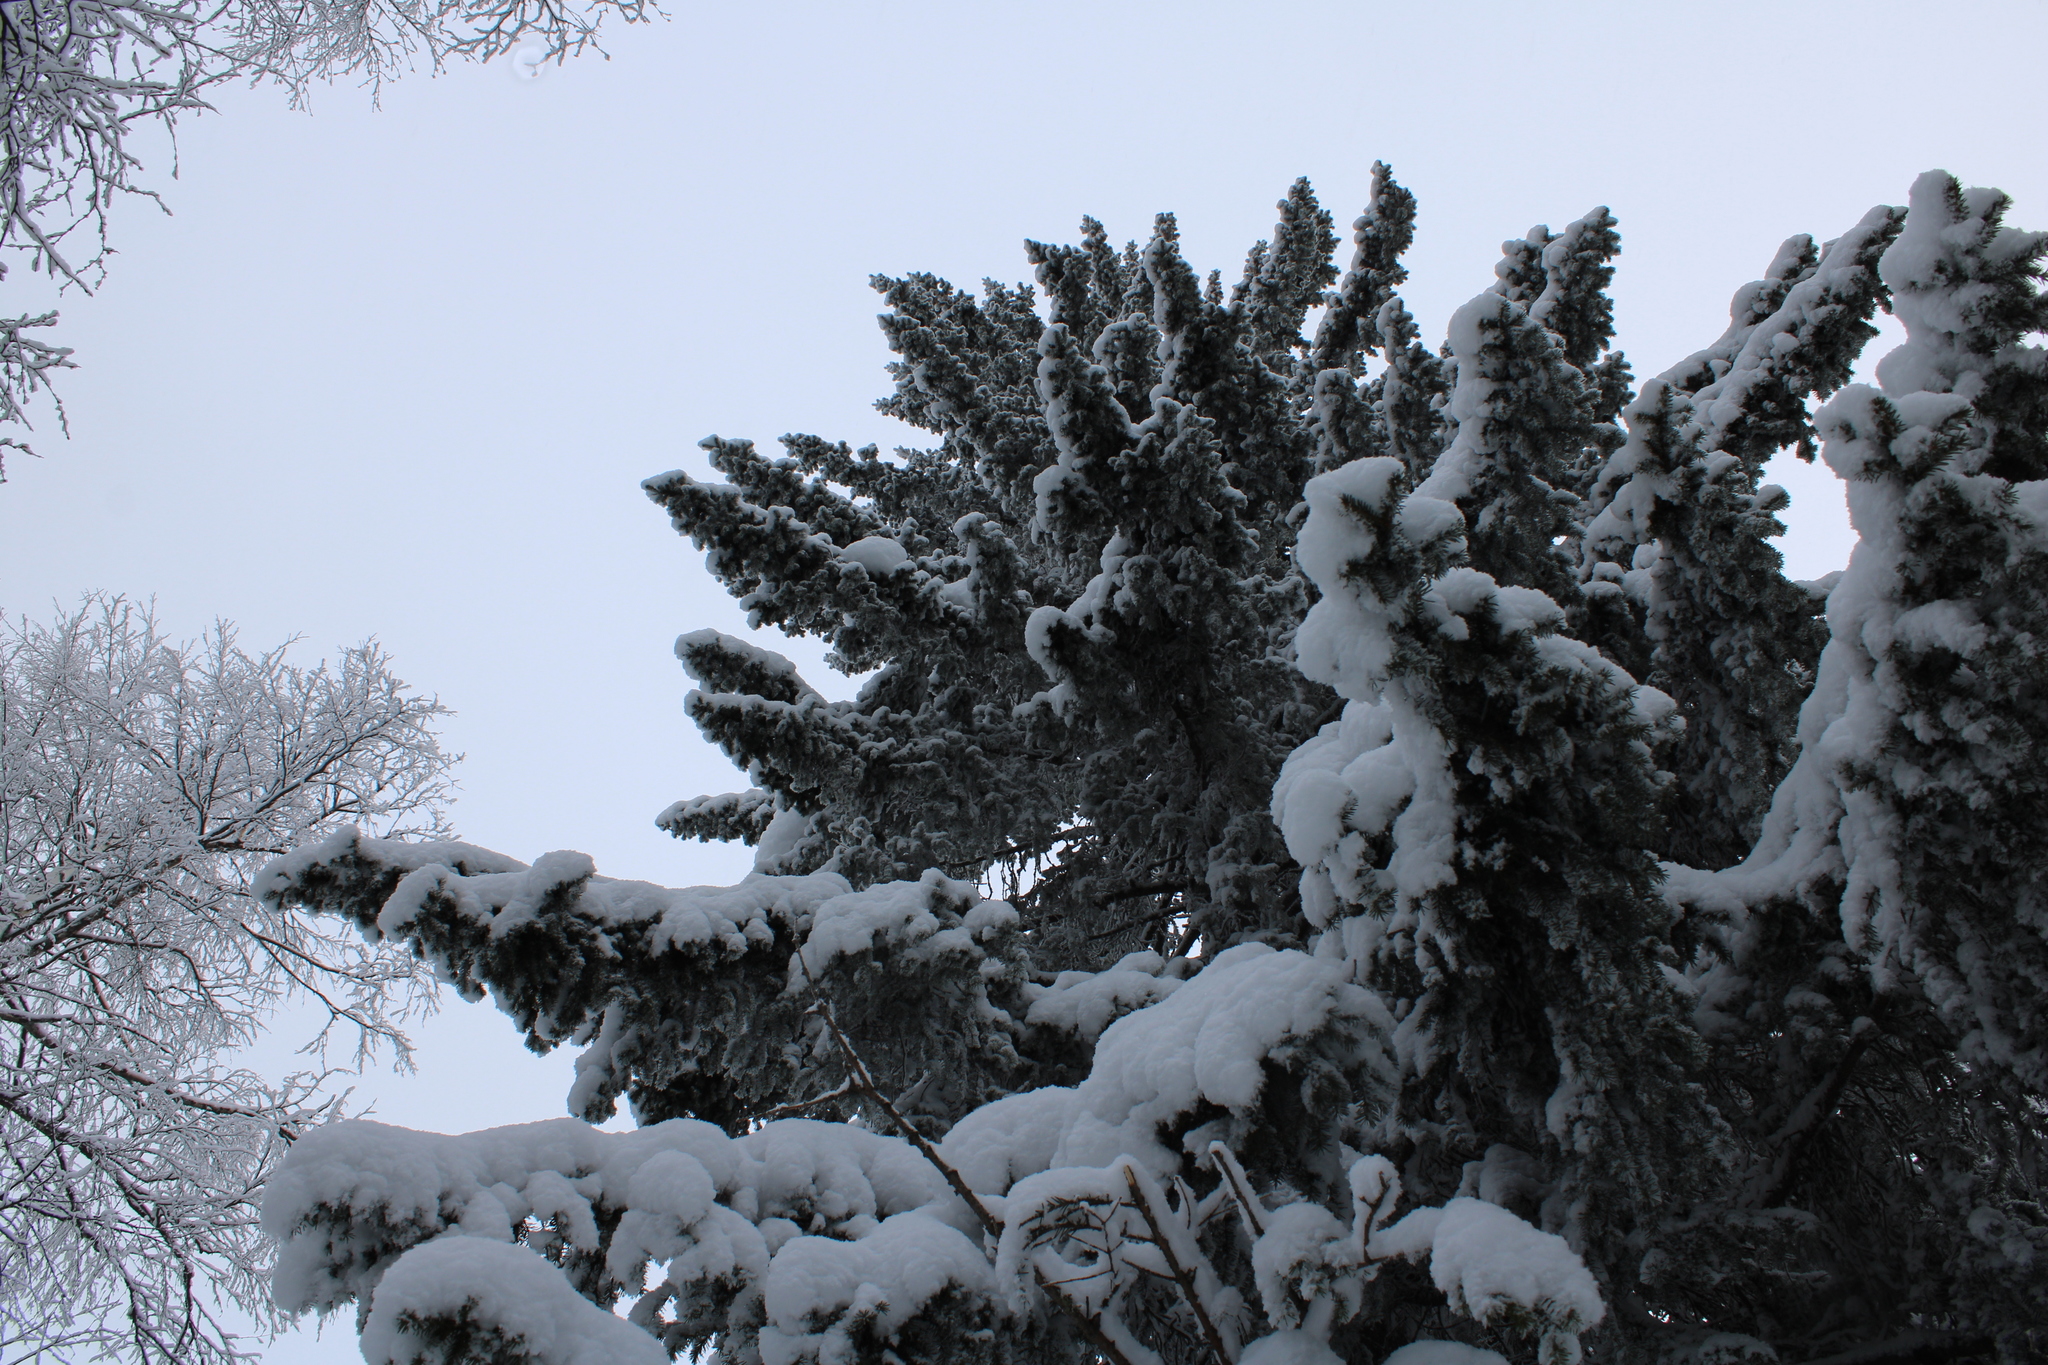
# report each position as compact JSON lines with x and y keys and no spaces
{"x":1055,"y":1210}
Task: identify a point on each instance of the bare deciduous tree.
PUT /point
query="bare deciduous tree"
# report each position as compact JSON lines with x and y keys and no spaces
{"x":141,"y":782}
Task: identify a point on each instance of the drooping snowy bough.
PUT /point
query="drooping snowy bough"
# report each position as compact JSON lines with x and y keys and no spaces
{"x":1347,"y":853}
{"x":1051,"y":1217}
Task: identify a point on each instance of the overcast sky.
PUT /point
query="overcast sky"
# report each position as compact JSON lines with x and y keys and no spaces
{"x":399,"y":372}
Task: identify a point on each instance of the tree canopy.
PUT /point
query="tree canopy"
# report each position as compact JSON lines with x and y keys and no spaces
{"x":1342,"y":851}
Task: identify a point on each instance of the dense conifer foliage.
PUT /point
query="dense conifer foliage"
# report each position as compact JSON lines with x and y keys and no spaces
{"x":1342,"y":852}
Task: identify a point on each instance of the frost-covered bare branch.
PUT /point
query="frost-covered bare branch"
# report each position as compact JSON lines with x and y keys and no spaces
{"x":141,"y":782}
{"x":78,"y":78}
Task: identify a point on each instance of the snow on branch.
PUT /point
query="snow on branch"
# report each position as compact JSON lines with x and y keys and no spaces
{"x":804,"y":1240}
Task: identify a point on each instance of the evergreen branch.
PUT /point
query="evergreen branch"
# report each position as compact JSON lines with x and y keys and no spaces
{"x":861,"y":1080}
{"x":864,"y":1082}
{"x":1807,"y":1119}
{"x":1166,"y":911}
{"x":1015,"y":850}
{"x":796,"y":1107}
{"x":1091,"y":1326}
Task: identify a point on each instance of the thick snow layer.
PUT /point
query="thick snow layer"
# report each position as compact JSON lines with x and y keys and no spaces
{"x":1289,"y":1258}
{"x":1485,"y":1259}
{"x":783,"y":834}
{"x":1810,"y":303}
{"x":827,"y":1236}
{"x":1206,"y":1041}
{"x":1938,"y":298}
{"x":1344,"y":642}
{"x":672,"y":1212}
{"x":1381,"y":774}
{"x":1327,"y":544}
{"x":1085,"y":1003}
{"x":505,"y":1287}
{"x":1377,"y":769}
{"x":501,"y":892}
{"x":349,"y":844}
{"x":350,"y":1195}
{"x":878,"y":1281}
{"x":1004,"y":1141}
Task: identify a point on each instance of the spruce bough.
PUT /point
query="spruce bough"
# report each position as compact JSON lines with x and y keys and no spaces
{"x":1345,"y":852}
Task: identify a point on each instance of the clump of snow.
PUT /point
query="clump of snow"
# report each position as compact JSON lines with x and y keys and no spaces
{"x":501,"y":1287}
{"x":349,"y":845}
{"x":672,"y":1215}
{"x":1486,"y":1260}
{"x":1008,"y":1139}
{"x":1327,"y":545}
{"x":1204,"y":1042}
{"x":1291,"y":1262}
{"x":503,"y":893}
{"x":1490,"y":1265}
{"x":1289,"y":1346}
{"x":783,"y":834}
{"x":880,"y":556}
{"x":1207,"y":1042}
{"x":903,"y":915}
{"x":820,"y":1291}
{"x":1084,"y":1003}
{"x":1128,"y":1229}
{"x":1458,"y":470}
{"x":695,"y":647}
{"x":1344,"y":641}
{"x":1463,"y":594}
{"x":1379,"y":769}
{"x":351,"y":1196}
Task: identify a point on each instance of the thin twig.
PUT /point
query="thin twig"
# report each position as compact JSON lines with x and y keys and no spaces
{"x":783,"y":1111}
{"x":864,"y":1082}
{"x":1233,"y":1175}
{"x":861,"y":1080}
{"x":1182,"y":1275}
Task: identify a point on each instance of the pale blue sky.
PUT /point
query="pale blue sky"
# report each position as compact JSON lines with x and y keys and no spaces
{"x":400,"y":372}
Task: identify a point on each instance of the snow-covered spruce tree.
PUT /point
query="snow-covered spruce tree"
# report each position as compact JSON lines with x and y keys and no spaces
{"x":1274,"y":898}
{"x":1476,"y":832}
{"x":1078,"y":608}
{"x":1884,"y":950}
